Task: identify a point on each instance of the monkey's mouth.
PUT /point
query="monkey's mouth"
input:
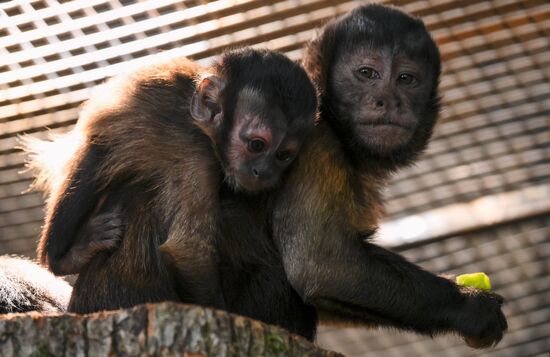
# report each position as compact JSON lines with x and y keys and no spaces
{"x":385,"y":125}
{"x":251,"y":184}
{"x":384,"y":135}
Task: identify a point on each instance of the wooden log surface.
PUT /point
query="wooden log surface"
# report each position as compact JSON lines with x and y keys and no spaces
{"x":165,"y":329}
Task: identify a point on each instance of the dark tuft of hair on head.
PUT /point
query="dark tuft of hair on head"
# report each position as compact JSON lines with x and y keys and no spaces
{"x":377,"y":25}
{"x":278,"y":78}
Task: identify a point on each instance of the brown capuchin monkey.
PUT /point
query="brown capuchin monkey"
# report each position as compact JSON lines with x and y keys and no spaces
{"x":378,"y":71}
{"x":154,"y":147}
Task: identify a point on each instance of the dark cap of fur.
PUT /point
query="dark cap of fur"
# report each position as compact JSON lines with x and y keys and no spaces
{"x":375,"y":25}
{"x":280,"y":80}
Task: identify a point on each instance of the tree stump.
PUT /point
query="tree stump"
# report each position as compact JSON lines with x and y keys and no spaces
{"x":166,"y":329}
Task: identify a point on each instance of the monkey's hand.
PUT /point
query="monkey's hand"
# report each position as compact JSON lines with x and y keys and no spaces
{"x":480,"y":321}
{"x":102,"y":232}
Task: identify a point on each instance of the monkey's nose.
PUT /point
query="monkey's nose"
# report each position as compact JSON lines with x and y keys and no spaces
{"x":379,"y":103}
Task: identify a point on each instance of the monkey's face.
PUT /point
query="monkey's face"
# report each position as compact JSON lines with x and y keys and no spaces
{"x":380,"y":98}
{"x":261,"y":144}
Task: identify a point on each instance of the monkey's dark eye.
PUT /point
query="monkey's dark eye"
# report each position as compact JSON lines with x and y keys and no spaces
{"x":256,"y":145}
{"x":284,"y":155}
{"x":405,"y":78}
{"x":368,"y":72}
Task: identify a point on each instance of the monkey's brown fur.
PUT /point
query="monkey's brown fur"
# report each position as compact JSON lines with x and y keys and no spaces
{"x":147,"y":147}
{"x":183,"y":165}
{"x":26,"y":286}
{"x":334,"y":185}
{"x":162,"y":169}
{"x":377,"y":69}
{"x":322,"y":216}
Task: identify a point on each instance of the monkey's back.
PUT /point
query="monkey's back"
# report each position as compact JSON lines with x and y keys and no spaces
{"x":159,"y":169}
{"x":145,"y":114}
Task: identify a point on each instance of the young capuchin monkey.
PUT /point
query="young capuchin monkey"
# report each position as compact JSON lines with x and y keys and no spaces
{"x":377,"y":70}
{"x":155,"y":146}
{"x":287,"y":256}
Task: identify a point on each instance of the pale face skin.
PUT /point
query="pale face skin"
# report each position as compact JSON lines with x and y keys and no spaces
{"x":261,"y":143}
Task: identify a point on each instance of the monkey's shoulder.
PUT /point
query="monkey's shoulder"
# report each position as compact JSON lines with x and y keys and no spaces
{"x":145,"y":114}
{"x":323,"y":160}
{"x":324,"y":181}
{"x":321,"y":174}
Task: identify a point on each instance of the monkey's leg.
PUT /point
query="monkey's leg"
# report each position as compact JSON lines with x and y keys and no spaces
{"x":358,"y":281}
{"x":194,"y":265}
{"x":132,"y":274}
{"x":191,"y":224}
{"x":112,"y":281}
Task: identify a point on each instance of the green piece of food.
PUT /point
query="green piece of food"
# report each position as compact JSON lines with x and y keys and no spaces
{"x":478,"y":280}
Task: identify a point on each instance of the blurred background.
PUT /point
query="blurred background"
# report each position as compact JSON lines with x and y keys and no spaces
{"x":479,"y":200}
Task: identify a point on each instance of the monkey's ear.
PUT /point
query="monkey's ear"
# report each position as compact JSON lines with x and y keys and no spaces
{"x":206,"y":101}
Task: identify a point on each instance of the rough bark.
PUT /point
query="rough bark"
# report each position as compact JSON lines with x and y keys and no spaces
{"x":167,"y":329}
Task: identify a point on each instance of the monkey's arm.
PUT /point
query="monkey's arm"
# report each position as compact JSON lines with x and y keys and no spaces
{"x":70,"y":206}
{"x":360,"y":282}
{"x":330,"y":265}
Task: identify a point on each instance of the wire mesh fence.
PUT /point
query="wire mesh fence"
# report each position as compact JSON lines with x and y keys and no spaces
{"x":493,"y":138}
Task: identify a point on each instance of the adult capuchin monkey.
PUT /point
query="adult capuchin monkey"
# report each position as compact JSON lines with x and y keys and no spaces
{"x":377,"y":70}
{"x":303,"y":250}
{"x":156,"y":144}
